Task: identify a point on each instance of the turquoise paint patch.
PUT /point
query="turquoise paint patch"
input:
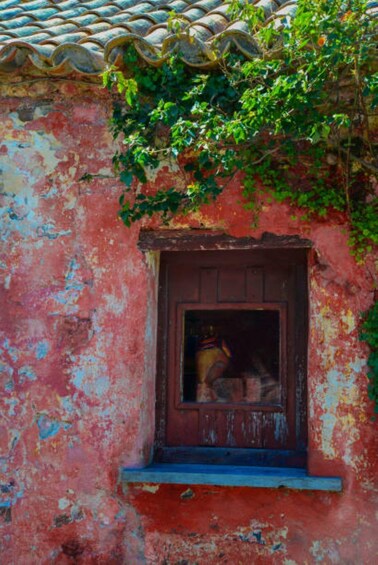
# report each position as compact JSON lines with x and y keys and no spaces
{"x":79,"y":375}
{"x":61,"y":298}
{"x":105,"y":413}
{"x":329,"y":423}
{"x":8,"y":371}
{"x":331,"y":397}
{"x":12,"y":351}
{"x":67,"y":404}
{"x":9,"y":386}
{"x":89,"y":383}
{"x":42,"y":349}
{"x":21,"y":200}
{"x":74,"y":286}
{"x":12,"y":403}
{"x":71,"y":283}
{"x":47,"y":427}
{"x":73,"y":267}
{"x":101,"y":385}
{"x":52,"y":192}
{"x":338,"y":383}
{"x":27,"y":372}
{"x":121,"y":515}
{"x":358,"y":366}
{"x":47,"y":230}
{"x":333,"y":376}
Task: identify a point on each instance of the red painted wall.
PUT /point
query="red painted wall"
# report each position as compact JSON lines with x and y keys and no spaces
{"x":77,"y":343}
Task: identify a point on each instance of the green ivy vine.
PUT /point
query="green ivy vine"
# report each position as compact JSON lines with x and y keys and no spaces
{"x":297,"y":123}
{"x":369,"y":334}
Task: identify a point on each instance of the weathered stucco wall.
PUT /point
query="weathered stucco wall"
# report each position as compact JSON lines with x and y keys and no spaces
{"x":77,"y":339}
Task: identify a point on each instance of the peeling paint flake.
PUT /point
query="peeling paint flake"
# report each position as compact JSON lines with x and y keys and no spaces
{"x":150,"y":488}
{"x":88,"y":377}
{"x":28,"y":373}
{"x":47,"y":427}
{"x":42,"y":349}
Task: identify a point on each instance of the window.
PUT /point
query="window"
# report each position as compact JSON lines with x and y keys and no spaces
{"x":232,"y":341}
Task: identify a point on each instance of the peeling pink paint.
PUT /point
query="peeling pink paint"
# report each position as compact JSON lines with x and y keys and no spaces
{"x":77,"y":340}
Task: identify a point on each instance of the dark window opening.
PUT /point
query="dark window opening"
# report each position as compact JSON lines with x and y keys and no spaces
{"x":231,"y":356}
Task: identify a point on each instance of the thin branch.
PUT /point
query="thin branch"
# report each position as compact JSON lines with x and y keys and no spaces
{"x":369,"y":166}
{"x":266,"y":154}
{"x":88,"y":177}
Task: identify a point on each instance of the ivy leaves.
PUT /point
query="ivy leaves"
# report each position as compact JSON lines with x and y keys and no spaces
{"x":298,"y":119}
{"x":369,"y":334}
{"x":174,"y":116}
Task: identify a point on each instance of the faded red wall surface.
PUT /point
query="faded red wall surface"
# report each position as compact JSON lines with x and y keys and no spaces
{"x":77,"y":339}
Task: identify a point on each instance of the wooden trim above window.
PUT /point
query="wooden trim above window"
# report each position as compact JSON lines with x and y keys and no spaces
{"x":197,"y":240}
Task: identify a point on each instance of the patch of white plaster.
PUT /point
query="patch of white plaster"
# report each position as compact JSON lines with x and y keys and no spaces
{"x":150,"y":488}
{"x":323,"y":551}
{"x":21,"y":170}
{"x":116,"y":305}
{"x":340,"y":390}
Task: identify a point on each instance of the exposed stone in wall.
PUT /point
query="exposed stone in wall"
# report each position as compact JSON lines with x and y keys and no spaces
{"x":77,"y":343}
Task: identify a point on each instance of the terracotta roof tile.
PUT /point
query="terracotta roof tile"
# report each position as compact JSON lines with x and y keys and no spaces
{"x":269,"y":6}
{"x":7,"y":3}
{"x":62,"y":35}
{"x":73,"y":13}
{"x":76,"y":37}
{"x":194,"y":14}
{"x":105,"y":11}
{"x":178,"y":6}
{"x":92,"y":4}
{"x":158,"y":17}
{"x":207,"y":5}
{"x":27,"y":32}
{"x":34,"y":5}
{"x":18,"y":21}
{"x":98,"y":27}
{"x":11,"y":13}
{"x":124,"y":4}
{"x":157,"y":35}
{"x":45,"y":13}
{"x":59,"y":27}
{"x":85,"y":19}
{"x":214,"y":23}
{"x":67,"y":4}
{"x":88,"y":46}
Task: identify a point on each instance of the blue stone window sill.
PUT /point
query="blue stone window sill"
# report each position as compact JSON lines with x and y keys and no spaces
{"x":230,"y":475}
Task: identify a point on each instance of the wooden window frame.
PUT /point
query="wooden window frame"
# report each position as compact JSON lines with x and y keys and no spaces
{"x":173,"y":242}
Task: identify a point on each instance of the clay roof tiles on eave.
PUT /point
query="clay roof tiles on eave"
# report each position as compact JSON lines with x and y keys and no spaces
{"x":57,"y":36}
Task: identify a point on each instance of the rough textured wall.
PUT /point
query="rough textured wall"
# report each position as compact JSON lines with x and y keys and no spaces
{"x":77,"y":336}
